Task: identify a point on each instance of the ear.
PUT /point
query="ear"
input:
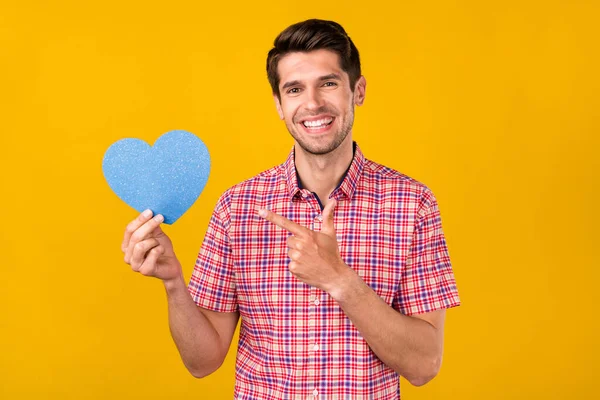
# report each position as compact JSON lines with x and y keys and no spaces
{"x":278,"y":106}
{"x":360,"y":89}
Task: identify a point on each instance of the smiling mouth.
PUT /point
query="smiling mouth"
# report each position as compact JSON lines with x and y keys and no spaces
{"x":318,"y":124}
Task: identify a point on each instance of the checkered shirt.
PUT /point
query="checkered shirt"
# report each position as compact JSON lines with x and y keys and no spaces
{"x":295,"y":341}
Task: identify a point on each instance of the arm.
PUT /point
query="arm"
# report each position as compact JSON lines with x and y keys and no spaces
{"x":201,"y":336}
{"x":411,"y":345}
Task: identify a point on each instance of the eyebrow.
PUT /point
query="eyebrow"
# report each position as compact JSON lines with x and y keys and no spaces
{"x":321,"y":78}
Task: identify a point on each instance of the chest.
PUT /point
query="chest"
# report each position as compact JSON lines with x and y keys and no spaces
{"x":373,"y":238}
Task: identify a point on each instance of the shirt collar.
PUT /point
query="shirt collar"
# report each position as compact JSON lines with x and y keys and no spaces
{"x":345,"y":189}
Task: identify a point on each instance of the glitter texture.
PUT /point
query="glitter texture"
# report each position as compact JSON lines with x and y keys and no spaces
{"x":167,"y":178}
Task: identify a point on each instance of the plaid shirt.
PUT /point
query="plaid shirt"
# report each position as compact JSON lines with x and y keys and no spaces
{"x":295,"y":340}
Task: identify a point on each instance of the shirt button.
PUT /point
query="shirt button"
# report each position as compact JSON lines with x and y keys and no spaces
{"x":319,"y":218}
{"x":316,"y":347}
{"x":315,"y":392}
{"x":317,"y":302}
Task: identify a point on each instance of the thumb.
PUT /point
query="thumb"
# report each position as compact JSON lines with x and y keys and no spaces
{"x":328,"y":225}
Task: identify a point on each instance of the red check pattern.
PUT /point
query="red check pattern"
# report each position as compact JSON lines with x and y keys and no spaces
{"x":295,"y":341}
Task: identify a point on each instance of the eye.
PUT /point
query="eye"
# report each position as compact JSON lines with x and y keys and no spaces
{"x":293,"y":91}
{"x":330,"y":84}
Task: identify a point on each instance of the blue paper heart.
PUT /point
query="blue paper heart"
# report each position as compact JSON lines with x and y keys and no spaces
{"x":166,"y":178}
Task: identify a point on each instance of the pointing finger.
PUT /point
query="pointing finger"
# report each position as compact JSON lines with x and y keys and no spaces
{"x":284,"y":223}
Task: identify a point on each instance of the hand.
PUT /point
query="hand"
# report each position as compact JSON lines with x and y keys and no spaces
{"x":315,"y":256}
{"x":148,"y":250}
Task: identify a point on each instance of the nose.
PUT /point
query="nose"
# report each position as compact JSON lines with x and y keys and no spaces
{"x":314,"y":99}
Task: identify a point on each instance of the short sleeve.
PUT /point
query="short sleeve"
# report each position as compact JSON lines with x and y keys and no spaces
{"x":212,"y":284}
{"x":427,"y":282}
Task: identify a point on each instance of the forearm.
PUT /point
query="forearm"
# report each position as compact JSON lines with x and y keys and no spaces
{"x":408,"y":345}
{"x":195,"y":337}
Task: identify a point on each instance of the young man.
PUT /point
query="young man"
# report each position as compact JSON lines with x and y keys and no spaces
{"x":337,"y":265}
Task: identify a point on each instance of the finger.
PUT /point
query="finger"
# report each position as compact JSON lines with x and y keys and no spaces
{"x":133,"y":226}
{"x":142,"y":233}
{"x":284,"y":223}
{"x":294,"y":254}
{"x":140,"y":250}
{"x":328,"y":226}
{"x":293,"y":267}
{"x":294,"y":243}
{"x":150,"y":263}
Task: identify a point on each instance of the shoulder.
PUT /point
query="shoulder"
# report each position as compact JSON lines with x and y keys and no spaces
{"x":389,"y":182}
{"x":393,"y":178}
{"x":258,"y":183}
{"x":254,"y":189}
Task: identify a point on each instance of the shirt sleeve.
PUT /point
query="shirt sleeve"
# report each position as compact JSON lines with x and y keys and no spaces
{"x":212,"y":284}
{"x":427,"y":282}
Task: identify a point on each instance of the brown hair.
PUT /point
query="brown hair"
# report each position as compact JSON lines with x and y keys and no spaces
{"x":309,"y":35}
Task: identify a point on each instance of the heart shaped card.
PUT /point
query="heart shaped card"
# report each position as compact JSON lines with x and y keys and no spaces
{"x":166,"y":178}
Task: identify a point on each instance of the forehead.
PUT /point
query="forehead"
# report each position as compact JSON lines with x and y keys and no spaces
{"x":304,"y":66}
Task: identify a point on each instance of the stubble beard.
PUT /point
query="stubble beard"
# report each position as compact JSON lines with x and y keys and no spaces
{"x":325,"y":148}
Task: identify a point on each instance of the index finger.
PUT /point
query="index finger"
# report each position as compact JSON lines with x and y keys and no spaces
{"x":133,"y":226}
{"x":283,"y":222}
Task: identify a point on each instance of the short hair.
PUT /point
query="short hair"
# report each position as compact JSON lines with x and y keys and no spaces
{"x":310,"y":35}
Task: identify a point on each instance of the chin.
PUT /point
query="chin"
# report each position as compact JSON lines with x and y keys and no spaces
{"x":320,"y":148}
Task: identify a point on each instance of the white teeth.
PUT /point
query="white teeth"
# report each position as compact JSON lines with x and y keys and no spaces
{"x":318,"y":123}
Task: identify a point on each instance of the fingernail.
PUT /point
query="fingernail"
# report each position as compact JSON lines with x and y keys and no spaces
{"x":262,"y":213}
{"x":159,"y":218}
{"x":147,"y":213}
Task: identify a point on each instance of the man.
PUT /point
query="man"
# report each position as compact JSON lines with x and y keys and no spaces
{"x":337,"y":265}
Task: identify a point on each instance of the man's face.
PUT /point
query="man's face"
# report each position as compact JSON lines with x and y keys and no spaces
{"x":317,"y":102}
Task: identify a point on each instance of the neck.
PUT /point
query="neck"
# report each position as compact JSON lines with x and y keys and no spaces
{"x":321,"y":173}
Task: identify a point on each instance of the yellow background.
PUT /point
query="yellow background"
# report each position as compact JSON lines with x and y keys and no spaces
{"x":494,"y":105}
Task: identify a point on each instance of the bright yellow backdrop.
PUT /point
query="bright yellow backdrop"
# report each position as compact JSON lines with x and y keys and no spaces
{"x":494,"y":105}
